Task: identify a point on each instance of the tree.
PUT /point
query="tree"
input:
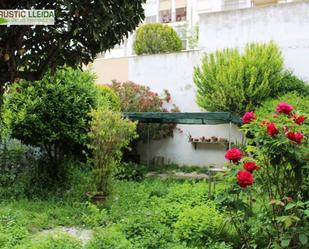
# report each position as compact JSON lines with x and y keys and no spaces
{"x":82,"y":30}
{"x":52,"y":113}
{"x":154,"y":38}
{"x":230,"y":81}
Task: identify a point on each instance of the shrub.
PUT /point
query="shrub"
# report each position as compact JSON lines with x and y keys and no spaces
{"x":109,"y":134}
{"x":273,"y":166}
{"x":146,"y":231}
{"x":154,"y":38}
{"x":11,"y":233}
{"x":131,"y":171}
{"x":108,"y":98}
{"x":234,"y":82}
{"x":291,"y":83}
{"x":300,"y":103}
{"x":198,"y":225}
{"x":109,"y":238}
{"x":94,"y":216}
{"x":139,"y":98}
{"x":17,"y":162}
{"x":52,"y":113}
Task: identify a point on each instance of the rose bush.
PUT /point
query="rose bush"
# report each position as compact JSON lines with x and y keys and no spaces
{"x":273,"y":165}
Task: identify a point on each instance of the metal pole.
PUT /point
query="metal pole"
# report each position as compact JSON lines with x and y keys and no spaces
{"x":209,"y":183}
{"x":230,"y":128}
{"x":148,"y":145}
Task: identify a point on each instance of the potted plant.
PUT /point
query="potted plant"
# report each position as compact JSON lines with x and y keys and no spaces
{"x":109,"y":134}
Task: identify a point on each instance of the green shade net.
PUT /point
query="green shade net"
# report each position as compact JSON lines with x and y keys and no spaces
{"x":209,"y":118}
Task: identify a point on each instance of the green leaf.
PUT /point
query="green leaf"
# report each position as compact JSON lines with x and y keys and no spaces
{"x":303,"y":239}
{"x":290,"y":206}
{"x":285,"y":243}
{"x":306,"y":212}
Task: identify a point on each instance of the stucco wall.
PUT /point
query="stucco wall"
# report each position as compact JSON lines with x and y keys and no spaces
{"x":174,"y":72}
{"x":107,"y":70}
{"x":286,"y":24}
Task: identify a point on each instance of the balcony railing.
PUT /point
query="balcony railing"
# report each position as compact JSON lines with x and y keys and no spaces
{"x":235,"y":4}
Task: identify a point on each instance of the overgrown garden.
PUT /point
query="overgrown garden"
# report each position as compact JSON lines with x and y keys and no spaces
{"x":64,"y":164}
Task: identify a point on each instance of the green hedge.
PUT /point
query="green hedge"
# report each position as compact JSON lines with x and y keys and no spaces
{"x":228,"y":80}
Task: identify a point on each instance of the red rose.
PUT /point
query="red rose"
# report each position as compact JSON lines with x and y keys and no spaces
{"x":295,"y":136}
{"x":248,"y":117}
{"x":250,"y":166}
{"x":298,"y":120}
{"x":284,"y":108}
{"x":233,"y":155}
{"x":272,"y":129}
{"x":244,"y":178}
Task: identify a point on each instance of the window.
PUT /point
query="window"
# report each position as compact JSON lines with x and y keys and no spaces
{"x":165,"y":11}
{"x":181,"y":14}
{"x":165,"y":16}
{"x":180,"y":10}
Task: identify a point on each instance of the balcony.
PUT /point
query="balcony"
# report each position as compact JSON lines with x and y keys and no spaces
{"x":223,"y":5}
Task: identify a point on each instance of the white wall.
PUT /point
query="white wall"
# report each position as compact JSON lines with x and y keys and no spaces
{"x":286,"y":24}
{"x":174,"y":72}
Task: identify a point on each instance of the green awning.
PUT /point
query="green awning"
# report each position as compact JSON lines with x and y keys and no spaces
{"x":210,"y":118}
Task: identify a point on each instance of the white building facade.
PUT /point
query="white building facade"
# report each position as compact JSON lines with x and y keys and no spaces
{"x":183,"y":16}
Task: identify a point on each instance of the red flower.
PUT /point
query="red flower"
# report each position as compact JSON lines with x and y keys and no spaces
{"x":233,"y":155}
{"x":244,"y":178}
{"x":298,"y":120}
{"x":295,"y":136}
{"x":250,"y":166}
{"x":272,"y":129}
{"x":284,"y":108}
{"x":248,"y":117}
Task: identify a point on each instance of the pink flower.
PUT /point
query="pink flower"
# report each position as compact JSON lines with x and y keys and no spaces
{"x":248,"y":117}
{"x":244,"y":178}
{"x":298,"y":119}
{"x":272,"y":129}
{"x":233,"y":155}
{"x":251,"y":166}
{"x":284,"y":108}
{"x":295,"y":136}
